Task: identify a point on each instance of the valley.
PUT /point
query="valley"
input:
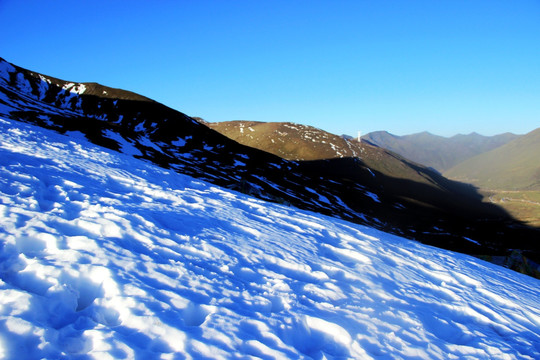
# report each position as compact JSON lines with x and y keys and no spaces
{"x":503,"y":167}
{"x":521,"y":204}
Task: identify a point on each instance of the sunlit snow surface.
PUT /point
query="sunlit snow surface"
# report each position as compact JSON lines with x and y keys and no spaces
{"x":104,"y":256}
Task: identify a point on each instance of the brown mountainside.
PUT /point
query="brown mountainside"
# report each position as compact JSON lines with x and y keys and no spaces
{"x":306,"y":143}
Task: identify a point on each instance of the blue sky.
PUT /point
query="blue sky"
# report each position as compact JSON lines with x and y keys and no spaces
{"x":446,"y":67}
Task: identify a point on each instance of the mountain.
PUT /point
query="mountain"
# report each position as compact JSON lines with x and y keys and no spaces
{"x":514,"y":166}
{"x":105,"y":256}
{"x":298,"y":142}
{"x":435,"y":151}
{"x":301,"y":142}
{"x":288,"y":140}
{"x":375,"y":188}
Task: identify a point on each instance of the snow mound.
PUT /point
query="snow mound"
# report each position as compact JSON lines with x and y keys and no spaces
{"x":104,"y":256}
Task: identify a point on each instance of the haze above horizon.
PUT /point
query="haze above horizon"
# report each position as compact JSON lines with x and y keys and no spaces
{"x":445,"y":67}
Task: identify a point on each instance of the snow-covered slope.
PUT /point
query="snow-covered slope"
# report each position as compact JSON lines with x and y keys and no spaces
{"x":106,"y":256}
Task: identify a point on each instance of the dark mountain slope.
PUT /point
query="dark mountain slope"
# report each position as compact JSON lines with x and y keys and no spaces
{"x":435,"y":151}
{"x":435,"y":211}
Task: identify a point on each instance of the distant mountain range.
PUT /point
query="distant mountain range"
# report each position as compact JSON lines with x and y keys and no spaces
{"x":512,"y":166}
{"x":440,"y":153}
{"x":334,"y":176}
{"x":501,"y":162}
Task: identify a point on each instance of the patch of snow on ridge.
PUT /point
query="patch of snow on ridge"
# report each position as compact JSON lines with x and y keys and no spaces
{"x":179,"y":142}
{"x":140,"y":127}
{"x":373,"y":196}
{"x":106,"y":256}
{"x":143,"y":140}
{"x":75,"y":88}
{"x":322,"y":198}
{"x":471,"y":240}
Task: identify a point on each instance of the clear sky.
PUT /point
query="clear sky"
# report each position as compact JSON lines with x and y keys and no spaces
{"x":446,"y":67}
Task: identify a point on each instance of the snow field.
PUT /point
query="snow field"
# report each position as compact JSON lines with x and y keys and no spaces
{"x":105,"y":256}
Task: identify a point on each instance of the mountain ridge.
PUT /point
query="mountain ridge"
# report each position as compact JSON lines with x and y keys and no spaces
{"x":298,"y":142}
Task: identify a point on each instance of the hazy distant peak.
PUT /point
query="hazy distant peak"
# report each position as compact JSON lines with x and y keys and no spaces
{"x":473,"y":134}
{"x":438,"y":152}
{"x":381,"y":134}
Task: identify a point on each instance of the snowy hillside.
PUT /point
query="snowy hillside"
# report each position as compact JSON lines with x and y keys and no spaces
{"x":105,"y":256}
{"x":380,"y":189}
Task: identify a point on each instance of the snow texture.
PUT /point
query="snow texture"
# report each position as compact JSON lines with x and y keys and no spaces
{"x":108,"y":257}
{"x":373,"y":196}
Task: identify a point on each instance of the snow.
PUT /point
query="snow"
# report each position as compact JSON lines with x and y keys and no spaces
{"x":104,"y":256}
{"x":140,"y":127}
{"x":125,"y":146}
{"x":373,"y":196}
{"x":179,"y":142}
{"x":143,"y":140}
{"x":75,"y":88}
{"x":322,"y":198}
{"x":471,"y":240}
